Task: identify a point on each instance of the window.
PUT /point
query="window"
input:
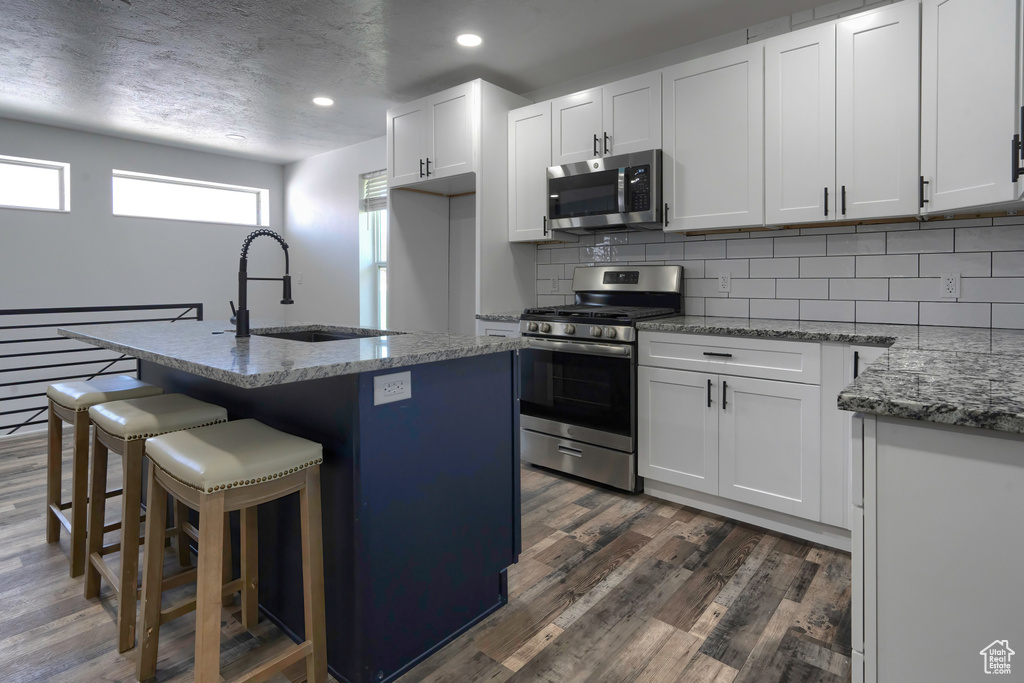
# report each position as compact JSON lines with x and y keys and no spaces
{"x":373,"y":214}
{"x":153,"y":196}
{"x":34,"y":184}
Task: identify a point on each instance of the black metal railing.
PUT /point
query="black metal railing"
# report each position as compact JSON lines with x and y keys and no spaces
{"x":33,"y":355}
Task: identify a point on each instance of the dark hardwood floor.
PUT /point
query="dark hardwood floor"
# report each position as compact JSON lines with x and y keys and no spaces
{"x":610,"y":587}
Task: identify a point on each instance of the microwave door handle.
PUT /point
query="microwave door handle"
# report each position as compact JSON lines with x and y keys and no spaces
{"x":622,"y":191}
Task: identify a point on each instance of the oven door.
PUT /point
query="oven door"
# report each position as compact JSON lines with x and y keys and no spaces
{"x":583,"y":391}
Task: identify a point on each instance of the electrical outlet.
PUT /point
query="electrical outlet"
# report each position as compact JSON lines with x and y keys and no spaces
{"x":390,"y":388}
{"x":724,"y":282}
{"x":950,"y":286}
{"x":554,"y":284}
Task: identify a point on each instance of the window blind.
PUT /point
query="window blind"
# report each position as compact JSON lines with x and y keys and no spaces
{"x":374,"y":191}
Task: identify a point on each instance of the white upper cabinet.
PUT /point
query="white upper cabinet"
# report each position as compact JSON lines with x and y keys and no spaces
{"x":800,"y":126}
{"x":969,"y":101}
{"x":432,"y":137}
{"x":529,"y":155}
{"x":713,"y":132}
{"x":1020,"y":104}
{"x":877,"y":113}
{"x":619,"y":118}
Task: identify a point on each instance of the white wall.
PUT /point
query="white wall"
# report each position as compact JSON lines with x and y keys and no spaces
{"x":322,"y":209}
{"x":89,"y":257}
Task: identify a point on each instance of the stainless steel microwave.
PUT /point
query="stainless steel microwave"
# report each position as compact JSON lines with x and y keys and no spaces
{"x":609,"y":192}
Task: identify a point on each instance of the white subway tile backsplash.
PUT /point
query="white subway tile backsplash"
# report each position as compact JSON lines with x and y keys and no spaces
{"x":665,"y":250}
{"x":734,"y":267}
{"x":556,"y":270}
{"x":894,"y":312}
{"x":610,"y":254}
{"x":842,"y":311}
{"x":707,"y":288}
{"x":801,"y":289}
{"x":915,"y":289}
{"x":610,"y":239}
{"x":729,"y":308}
{"x":543,"y":255}
{"x":959,"y":223}
{"x":782,"y":309}
{"x":828,"y":266}
{"x":829,"y":230}
{"x":566,"y":255}
{"x":996,"y":238}
{"x":997,"y":289}
{"x":968,"y":264}
{"x":1007,"y":263}
{"x":550,"y":300}
{"x":886,"y":227}
{"x":693,"y":305}
{"x":646,"y":236}
{"x":919,"y":242}
{"x":775,"y":267}
{"x":691,"y":269}
{"x":761,"y":247}
{"x":705,"y":250}
{"x":550,"y":286}
{"x":1008,"y":315}
{"x":955,"y":314}
{"x":855,"y":243}
{"x":870,"y":289}
{"x":887,"y":266}
{"x":753,"y":289}
{"x":800,"y":246}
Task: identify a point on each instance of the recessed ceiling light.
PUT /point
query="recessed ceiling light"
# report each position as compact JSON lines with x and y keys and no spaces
{"x":235,"y":136}
{"x":469,"y":40}
{"x":323,"y":101}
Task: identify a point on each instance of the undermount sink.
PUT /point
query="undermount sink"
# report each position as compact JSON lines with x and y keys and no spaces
{"x":316,"y":335}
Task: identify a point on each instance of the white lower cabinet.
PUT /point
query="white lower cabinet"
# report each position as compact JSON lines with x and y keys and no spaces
{"x":492,"y":328}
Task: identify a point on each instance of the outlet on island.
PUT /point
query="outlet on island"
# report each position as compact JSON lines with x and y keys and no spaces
{"x":396,"y":386}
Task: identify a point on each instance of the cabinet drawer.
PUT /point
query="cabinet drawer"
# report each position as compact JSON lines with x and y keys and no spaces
{"x":789,"y":361}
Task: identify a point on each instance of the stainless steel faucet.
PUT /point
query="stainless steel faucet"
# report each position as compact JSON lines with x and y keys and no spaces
{"x":242,"y":316}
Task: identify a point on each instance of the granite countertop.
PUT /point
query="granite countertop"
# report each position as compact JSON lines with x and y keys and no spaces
{"x":507,"y":317}
{"x":210,"y":349}
{"x":950,"y":375}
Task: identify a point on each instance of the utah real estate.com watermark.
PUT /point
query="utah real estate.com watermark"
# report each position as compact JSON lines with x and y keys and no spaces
{"x":997,"y":657}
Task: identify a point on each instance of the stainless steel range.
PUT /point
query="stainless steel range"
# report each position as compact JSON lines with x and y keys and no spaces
{"x":578,"y":377}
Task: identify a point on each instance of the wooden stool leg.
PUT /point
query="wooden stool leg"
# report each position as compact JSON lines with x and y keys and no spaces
{"x":97,"y":516}
{"x":131,"y":503}
{"x":313,"y":575}
{"x":79,"y":492}
{"x":208,"y":599}
{"x":250,"y":568}
{"x":54,"y":452}
{"x":226,"y":567}
{"x":180,"y":520}
{"x":152,"y":577}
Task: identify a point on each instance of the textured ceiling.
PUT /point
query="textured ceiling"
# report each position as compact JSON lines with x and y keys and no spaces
{"x":189,"y":72}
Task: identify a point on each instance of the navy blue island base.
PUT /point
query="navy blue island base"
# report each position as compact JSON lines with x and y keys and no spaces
{"x":420,"y":498}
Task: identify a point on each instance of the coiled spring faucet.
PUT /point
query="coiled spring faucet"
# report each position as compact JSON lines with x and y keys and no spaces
{"x":242,"y":316}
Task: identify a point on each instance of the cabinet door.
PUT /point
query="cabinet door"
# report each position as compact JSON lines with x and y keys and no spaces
{"x":769,"y":449}
{"x":968,"y":101}
{"x":450,"y":132}
{"x":799,"y":127}
{"x":713,"y":133}
{"x":529,"y":155}
{"x":877,"y":113}
{"x":632,"y":115}
{"x":576,"y":127}
{"x":678,"y":432}
{"x":1020,"y":98}
{"x":406,"y":137}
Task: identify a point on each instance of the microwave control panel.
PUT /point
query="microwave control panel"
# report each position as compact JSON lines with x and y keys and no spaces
{"x":639,"y":183}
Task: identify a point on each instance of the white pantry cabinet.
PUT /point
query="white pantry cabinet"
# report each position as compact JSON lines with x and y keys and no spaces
{"x":713,"y":132}
{"x":433,"y":137}
{"x":529,"y":155}
{"x":970,"y":102}
{"x":618,"y":118}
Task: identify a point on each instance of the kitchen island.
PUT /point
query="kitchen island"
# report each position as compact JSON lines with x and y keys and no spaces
{"x":420,"y":496}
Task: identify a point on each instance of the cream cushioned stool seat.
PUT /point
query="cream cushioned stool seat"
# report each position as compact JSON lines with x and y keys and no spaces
{"x":218,"y":469}
{"x":122,"y":427}
{"x":69,"y":402}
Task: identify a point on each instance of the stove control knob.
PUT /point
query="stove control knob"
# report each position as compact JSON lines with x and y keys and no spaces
{"x":570,"y":329}
{"x":595,"y":331}
{"x":545,"y":327}
{"x":532,"y":327}
{"x":609,"y":332}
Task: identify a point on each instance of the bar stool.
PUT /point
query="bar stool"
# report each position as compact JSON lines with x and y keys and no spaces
{"x":123,"y":427}
{"x":70,"y":402}
{"x":218,"y":469}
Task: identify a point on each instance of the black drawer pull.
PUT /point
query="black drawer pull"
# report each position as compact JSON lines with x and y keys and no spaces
{"x":709,"y":393}
{"x":724,"y":386}
{"x":718,"y":355}
{"x":856,"y":364}
{"x":826,"y":201}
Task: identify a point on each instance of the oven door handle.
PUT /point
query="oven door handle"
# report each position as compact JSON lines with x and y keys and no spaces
{"x":585,"y":348}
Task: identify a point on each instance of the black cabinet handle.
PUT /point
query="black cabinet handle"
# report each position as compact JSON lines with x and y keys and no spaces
{"x":1022,"y":132}
{"x":724,"y":386}
{"x":545,"y":226}
{"x":428,"y":167}
{"x":597,"y":152}
{"x":826,"y":201}
{"x":709,"y":393}
{"x":606,"y":143}
{"x":421,"y":168}
{"x":844,"y":200}
{"x":718,"y":355}
{"x":920,"y":194}
{"x":856,"y":364}
{"x":666,"y":215}
{"x":1015,"y":150}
